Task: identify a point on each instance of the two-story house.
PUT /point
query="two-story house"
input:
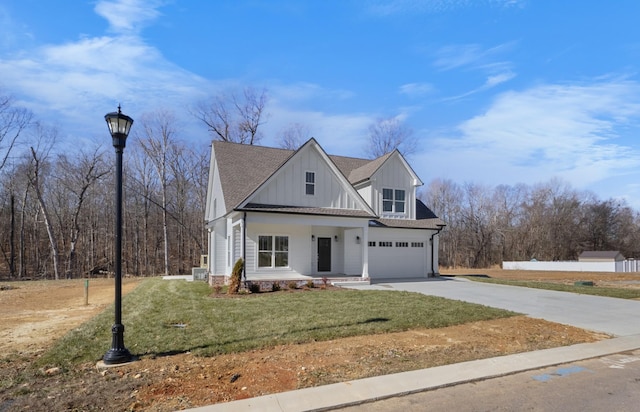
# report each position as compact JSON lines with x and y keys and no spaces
{"x":295,"y":215}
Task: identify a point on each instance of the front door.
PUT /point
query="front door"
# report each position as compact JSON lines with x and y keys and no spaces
{"x":324,"y":254}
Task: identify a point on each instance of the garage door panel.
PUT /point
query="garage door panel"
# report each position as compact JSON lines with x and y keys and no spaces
{"x":397,"y":262}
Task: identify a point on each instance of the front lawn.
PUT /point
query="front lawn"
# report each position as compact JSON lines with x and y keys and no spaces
{"x":585,"y":290}
{"x":169,"y":317}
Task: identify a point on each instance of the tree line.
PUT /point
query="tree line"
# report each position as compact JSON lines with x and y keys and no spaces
{"x":57,"y":208}
{"x":545,"y":221}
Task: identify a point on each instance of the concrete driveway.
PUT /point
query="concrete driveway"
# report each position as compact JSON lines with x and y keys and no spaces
{"x":619,"y":317}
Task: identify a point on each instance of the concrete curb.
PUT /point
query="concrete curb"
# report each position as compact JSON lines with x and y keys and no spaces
{"x":361,"y":391}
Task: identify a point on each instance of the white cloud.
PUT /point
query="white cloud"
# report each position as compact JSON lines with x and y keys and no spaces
{"x":574,"y":131}
{"x":77,"y":81}
{"x":416,"y":89}
{"x":472,"y":56}
{"x":340,"y":134}
{"x":128,"y":15}
{"x":476,"y":58}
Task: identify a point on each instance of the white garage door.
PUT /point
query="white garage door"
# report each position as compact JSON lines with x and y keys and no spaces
{"x":397,"y":258}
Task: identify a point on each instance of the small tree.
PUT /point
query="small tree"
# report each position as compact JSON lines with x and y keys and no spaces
{"x":387,"y":135}
{"x":236,"y":276}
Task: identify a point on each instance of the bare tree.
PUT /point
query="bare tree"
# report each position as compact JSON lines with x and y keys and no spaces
{"x":78,"y":176}
{"x":39,"y":159}
{"x":157,"y":144}
{"x":234,"y":118}
{"x":294,"y":135}
{"x":13,"y":120}
{"x":386,"y":135}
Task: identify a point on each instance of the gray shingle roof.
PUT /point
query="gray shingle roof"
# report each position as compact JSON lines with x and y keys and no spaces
{"x":243,"y":168}
{"x":436,"y":223}
{"x":367,"y":170}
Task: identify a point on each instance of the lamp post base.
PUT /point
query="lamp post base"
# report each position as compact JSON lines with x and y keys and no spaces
{"x":118,"y":353}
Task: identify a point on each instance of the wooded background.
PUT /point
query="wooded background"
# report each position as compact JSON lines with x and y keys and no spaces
{"x":57,"y":208}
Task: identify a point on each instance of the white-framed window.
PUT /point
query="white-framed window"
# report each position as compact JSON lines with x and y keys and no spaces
{"x":310,"y":183}
{"x":393,"y":200}
{"x":385,"y":244}
{"x":402,"y":244}
{"x":273,"y":251}
{"x":372,"y":244}
{"x":417,"y":244}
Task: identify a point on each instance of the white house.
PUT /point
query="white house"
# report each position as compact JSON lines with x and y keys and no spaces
{"x":304,"y":214}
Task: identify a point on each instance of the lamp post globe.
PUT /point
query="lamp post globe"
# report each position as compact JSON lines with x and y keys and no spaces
{"x":119,"y":125}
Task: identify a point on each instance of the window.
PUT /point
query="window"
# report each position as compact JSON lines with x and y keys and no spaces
{"x":372,"y":244}
{"x":417,"y":244}
{"x":393,"y":200}
{"x":385,"y":244}
{"x":402,"y":244}
{"x":273,"y":251}
{"x":387,"y":200}
{"x":310,"y":183}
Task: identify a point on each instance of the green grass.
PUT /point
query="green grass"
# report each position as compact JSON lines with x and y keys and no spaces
{"x":224,"y":325}
{"x":585,"y":290}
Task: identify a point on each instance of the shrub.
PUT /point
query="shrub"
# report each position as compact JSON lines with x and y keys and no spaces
{"x":254,"y":287}
{"x":217,"y":288}
{"x":275,"y":286}
{"x":236,"y":276}
{"x":292,"y":284}
{"x":310,"y":284}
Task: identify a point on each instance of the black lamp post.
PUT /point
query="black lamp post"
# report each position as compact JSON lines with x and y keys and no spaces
{"x":119,"y":126}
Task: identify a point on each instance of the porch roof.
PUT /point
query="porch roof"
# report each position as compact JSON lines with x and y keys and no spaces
{"x":317,"y":211}
{"x":434,"y":223}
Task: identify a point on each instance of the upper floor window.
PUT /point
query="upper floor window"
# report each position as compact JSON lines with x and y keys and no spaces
{"x":393,"y":200}
{"x":310,"y":183}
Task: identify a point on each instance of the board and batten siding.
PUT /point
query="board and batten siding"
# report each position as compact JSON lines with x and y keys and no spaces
{"x":393,"y":175}
{"x":288,"y":185}
{"x":220,"y":248}
{"x":353,"y":251}
{"x":215,"y":206}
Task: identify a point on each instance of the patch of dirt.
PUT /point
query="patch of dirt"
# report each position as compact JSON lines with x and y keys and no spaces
{"x":35,"y":313}
{"x":184,"y":380}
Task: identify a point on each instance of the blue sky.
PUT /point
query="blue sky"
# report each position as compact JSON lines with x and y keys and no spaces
{"x":496,"y":91}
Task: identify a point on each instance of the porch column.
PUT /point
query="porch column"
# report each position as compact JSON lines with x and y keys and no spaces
{"x":365,"y":251}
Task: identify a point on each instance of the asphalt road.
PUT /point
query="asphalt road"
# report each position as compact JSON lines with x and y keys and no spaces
{"x":610,"y":383}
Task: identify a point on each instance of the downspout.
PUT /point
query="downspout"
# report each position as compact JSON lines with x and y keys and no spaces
{"x":433,"y":269}
{"x":244,"y":247}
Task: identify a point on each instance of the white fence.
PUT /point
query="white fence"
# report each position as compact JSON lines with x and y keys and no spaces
{"x":629,"y":265}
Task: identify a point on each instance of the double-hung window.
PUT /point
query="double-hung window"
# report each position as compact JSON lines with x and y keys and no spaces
{"x":310,"y":183}
{"x":273,"y":251}
{"x":393,"y":200}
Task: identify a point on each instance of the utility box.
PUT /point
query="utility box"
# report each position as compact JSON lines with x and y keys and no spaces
{"x":199,"y":273}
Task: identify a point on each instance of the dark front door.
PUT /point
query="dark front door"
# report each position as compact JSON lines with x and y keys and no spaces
{"x":324,"y":254}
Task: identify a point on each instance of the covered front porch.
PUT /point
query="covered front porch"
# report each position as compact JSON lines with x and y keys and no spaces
{"x":284,"y":248}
